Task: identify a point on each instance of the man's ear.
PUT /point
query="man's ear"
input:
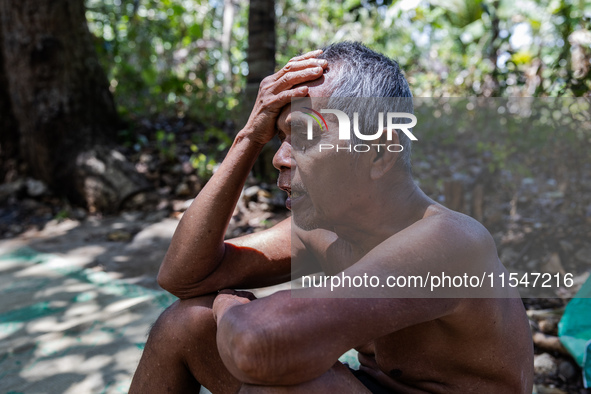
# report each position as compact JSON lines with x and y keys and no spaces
{"x":383,"y":160}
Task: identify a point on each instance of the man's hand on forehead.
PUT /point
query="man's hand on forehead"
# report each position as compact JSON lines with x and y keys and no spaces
{"x":277,"y":90}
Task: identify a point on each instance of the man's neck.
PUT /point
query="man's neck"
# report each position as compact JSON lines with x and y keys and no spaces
{"x":390,"y":212}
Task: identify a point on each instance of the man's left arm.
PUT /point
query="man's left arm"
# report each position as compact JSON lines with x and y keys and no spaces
{"x":281,"y":339}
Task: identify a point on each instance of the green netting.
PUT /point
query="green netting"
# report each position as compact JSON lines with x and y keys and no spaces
{"x":574,"y":329}
{"x":65,"y":329}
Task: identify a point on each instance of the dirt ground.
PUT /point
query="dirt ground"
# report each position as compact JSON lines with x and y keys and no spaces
{"x":129,"y":246}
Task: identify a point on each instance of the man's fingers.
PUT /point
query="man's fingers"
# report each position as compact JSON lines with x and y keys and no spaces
{"x":284,"y":98}
{"x":301,"y":65}
{"x":246,"y":294}
{"x":238,"y":293}
{"x":227,"y":291}
{"x":291,"y":79}
{"x":306,"y":55}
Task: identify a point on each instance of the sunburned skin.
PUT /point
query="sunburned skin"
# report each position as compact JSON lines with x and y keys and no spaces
{"x":378,"y":223}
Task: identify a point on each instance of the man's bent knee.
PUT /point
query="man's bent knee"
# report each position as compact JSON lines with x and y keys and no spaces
{"x":185,"y":318}
{"x":179,"y":346}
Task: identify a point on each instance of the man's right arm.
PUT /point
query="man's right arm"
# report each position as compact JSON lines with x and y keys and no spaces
{"x":198,"y":260}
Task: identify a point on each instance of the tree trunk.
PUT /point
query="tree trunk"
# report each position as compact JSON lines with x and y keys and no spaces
{"x":453,"y":190}
{"x":261,"y":42}
{"x":8,"y":127}
{"x":227,"y":24}
{"x":61,"y":99}
{"x":261,"y":63}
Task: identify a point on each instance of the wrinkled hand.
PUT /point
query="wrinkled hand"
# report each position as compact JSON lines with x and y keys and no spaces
{"x":226,"y":299}
{"x":276,"y":91}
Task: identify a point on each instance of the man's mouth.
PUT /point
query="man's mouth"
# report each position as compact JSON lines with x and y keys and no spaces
{"x":292,"y":194}
{"x":295,"y":195}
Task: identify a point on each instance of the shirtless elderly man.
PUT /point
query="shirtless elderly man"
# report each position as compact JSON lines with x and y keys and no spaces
{"x":230,"y":342}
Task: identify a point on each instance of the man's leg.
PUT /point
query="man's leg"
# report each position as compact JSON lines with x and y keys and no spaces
{"x":181,"y":353}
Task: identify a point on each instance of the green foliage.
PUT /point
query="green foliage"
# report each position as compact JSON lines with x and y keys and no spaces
{"x":62,"y":215}
{"x":166,"y":145}
{"x":204,"y":163}
{"x":457,"y":47}
{"x":165,"y":56}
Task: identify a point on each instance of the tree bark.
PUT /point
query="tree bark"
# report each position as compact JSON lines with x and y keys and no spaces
{"x":261,"y":41}
{"x":8,"y":126}
{"x":453,"y":190}
{"x":261,"y":63}
{"x":61,"y":100}
{"x":227,"y":24}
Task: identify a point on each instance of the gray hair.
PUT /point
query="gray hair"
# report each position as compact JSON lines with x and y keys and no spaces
{"x":366,"y":73}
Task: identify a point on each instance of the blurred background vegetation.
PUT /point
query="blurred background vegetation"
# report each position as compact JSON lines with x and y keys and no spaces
{"x":169,"y":56}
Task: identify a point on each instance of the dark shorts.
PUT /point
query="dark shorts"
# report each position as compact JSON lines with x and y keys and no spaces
{"x":368,"y":381}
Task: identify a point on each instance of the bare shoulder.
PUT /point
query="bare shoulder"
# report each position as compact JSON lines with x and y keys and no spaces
{"x":454,"y":232}
{"x":458,"y":224}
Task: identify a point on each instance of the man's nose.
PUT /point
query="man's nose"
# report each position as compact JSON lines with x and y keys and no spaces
{"x":282,"y":159}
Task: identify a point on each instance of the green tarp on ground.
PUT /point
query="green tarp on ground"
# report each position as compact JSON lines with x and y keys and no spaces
{"x":574,"y":329}
{"x":64,"y":329}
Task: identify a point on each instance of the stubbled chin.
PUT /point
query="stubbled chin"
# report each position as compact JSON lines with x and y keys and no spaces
{"x":304,"y":216}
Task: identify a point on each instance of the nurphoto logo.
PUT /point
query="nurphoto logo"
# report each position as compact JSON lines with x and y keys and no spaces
{"x":345,"y":129}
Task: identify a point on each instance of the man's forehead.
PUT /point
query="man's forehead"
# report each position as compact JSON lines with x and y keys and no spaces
{"x":321,"y":87}
{"x":316,"y":85}
{"x":317,"y":88}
